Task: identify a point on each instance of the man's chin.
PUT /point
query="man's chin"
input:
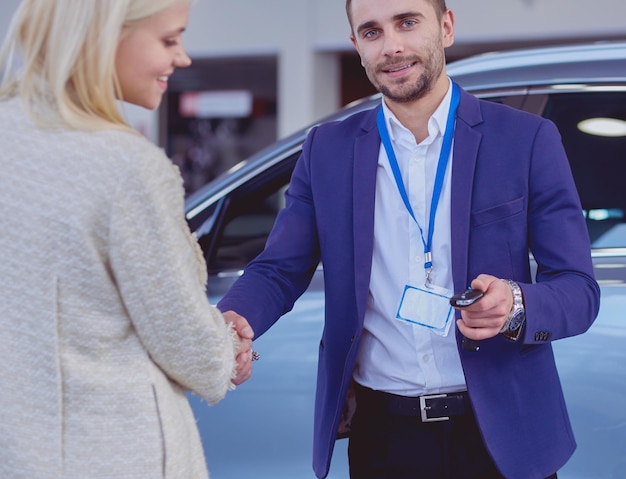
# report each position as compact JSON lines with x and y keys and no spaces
{"x":403,"y":95}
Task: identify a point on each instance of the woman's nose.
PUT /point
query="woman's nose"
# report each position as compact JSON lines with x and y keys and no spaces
{"x":182,"y":60}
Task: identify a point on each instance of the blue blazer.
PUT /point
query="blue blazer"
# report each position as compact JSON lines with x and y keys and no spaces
{"x":512,"y":191}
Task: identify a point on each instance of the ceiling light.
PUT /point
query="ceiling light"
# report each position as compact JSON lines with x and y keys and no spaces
{"x":611,"y":127}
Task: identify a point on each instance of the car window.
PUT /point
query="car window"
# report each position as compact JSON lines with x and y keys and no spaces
{"x":246,"y":228}
{"x":246,"y":219}
{"x":598,"y":162}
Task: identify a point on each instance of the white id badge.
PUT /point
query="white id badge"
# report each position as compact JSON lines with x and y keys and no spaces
{"x":429,"y":308}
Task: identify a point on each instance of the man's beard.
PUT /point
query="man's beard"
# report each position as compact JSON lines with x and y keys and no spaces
{"x":405,"y":92}
{"x":418,"y":90}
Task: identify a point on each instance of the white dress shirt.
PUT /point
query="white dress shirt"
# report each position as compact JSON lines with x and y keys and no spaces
{"x":396,"y":356}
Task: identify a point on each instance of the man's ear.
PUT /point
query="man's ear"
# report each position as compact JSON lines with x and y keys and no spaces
{"x":447,"y":27}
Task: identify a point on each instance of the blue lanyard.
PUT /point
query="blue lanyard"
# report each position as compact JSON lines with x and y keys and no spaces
{"x":442,"y":164}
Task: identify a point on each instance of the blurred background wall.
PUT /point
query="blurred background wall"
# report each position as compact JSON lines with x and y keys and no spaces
{"x":265,"y":68}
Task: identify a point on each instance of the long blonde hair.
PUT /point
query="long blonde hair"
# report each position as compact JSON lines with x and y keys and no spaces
{"x":68,"y":50}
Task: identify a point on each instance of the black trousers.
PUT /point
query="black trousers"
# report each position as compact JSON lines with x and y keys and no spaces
{"x":383,"y":445}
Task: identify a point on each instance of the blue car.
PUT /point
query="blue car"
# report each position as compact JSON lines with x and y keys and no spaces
{"x":264,"y":429}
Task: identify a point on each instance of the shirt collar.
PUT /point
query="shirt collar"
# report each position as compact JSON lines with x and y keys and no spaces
{"x":398,"y":133}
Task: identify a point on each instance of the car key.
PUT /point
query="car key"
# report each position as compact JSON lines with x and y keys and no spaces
{"x":464,"y":299}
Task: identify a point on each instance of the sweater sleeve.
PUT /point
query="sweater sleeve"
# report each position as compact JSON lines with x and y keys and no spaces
{"x":161,"y":275}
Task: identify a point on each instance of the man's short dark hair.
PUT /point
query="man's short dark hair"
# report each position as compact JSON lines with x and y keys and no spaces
{"x":440,"y":7}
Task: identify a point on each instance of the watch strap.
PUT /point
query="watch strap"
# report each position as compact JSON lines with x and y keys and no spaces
{"x":514,"y":324}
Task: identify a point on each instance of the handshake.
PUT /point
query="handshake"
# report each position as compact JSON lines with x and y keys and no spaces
{"x":245,"y":354}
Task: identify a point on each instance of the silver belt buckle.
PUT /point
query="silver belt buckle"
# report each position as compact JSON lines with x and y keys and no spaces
{"x":424,"y":408}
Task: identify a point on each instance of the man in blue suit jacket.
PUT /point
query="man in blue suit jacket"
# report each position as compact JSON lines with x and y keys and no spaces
{"x":426,"y":405}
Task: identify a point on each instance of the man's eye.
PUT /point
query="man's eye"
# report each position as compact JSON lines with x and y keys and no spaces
{"x":169,"y":42}
{"x":409,"y":23}
{"x":370,"y":34}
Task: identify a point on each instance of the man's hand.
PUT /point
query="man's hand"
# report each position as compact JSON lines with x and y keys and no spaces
{"x":485,"y":318}
{"x":244,"y":354}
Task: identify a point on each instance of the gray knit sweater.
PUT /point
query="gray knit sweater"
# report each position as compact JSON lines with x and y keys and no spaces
{"x":103,"y":315}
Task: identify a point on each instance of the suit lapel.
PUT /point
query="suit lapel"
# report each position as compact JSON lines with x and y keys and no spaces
{"x":466,"y":144}
{"x":366,"y":148}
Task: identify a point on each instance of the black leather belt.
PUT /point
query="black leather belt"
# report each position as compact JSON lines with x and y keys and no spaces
{"x":435,"y":407}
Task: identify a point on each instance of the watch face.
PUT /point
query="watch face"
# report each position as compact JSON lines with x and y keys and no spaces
{"x":516,"y":320}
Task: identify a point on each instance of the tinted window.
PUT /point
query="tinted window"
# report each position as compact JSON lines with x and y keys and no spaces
{"x":246,"y":219}
{"x":598,"y":165}
{"x":598,"y":162}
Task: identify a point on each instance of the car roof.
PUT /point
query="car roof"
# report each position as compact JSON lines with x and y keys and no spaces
{"x":583,"y":64}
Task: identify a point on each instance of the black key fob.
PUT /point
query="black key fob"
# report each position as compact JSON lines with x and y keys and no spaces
{"x":465,"y":298}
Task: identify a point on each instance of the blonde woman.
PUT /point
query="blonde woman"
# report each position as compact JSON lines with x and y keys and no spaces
{"x":104,"y":322}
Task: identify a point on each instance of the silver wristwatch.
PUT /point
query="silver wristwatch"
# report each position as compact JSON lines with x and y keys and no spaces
{"x":513,"y":326}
